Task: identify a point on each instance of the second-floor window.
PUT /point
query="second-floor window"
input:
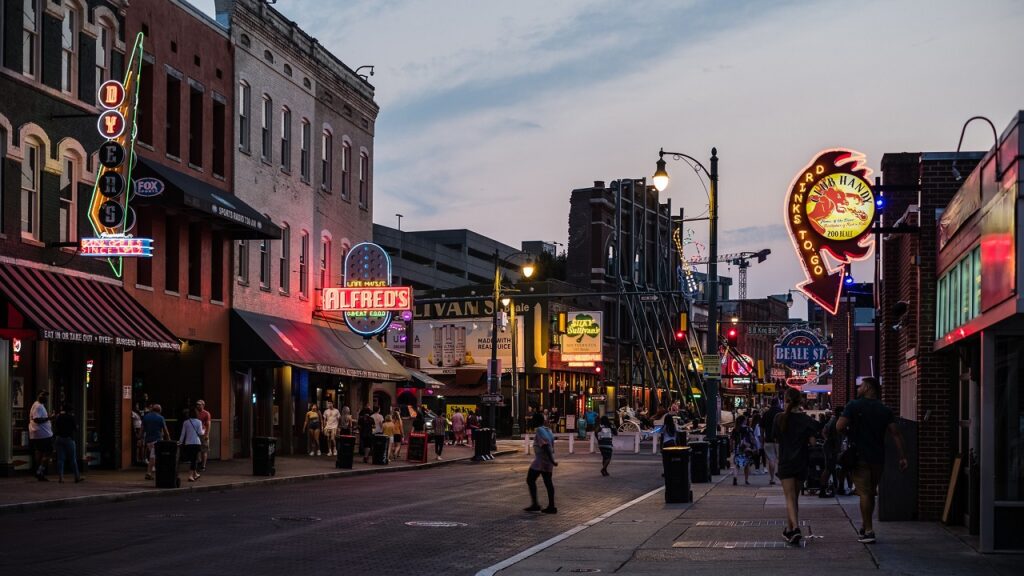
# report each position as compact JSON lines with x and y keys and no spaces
{"x":265,"y":263}
{"x":30,"y":191}
{"x":286,"y":139}
{"x":304,"y":151}
{"x":30,"y":38}
{"x":243,"y":261}
{"x":244,"y":103}
{"x":304,"y":265}
{"x":69,"y":50}
{"x":103,"y":47}
{"x":325,"y":160}
{"x":68,"y":201}
{"x":364,"y":179}
{"x":266,"y":128}
{"x":286,"y":249}
{"x":346,"y":170}
{"x":325,"y":262}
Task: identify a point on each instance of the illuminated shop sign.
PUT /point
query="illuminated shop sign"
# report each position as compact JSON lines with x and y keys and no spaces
{"x":110,"y":216}
{"x":582,"y":339}
{"x":367,"y":299}
{"x":800,"y":349}
{"x":829,"y":211}
{"x":367,"y":292}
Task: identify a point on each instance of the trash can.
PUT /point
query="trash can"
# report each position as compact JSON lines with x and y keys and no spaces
{"x":581,"y":428}
{"x":700,"y":468}
{"x":681,"y":439}
{"x":263,"y":450}
{"x":724,"y":451}
{"x":346,"y":452}
{"x":380,"y":449}
{"x":713,"y":463}
{"x":482,"y":439}
{"x":676,"y":463}
{"x":167,"y":464}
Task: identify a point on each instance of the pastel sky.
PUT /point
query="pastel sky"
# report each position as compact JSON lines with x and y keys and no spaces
{"x":492,"y":112}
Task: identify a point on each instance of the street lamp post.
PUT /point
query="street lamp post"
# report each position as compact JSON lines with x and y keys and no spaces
{"x":493,"y":374}
{"x":660,"y":180}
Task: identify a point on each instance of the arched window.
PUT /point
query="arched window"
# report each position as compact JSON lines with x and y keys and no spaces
{"x":286,"y":139}
{"x":325,"y":261}
{"x":31,"y":166}
{"x":246,"y":42}
{"x":265,"y":264}
{"x":346,"y":169}
{"x":244,"y":105}
{"x":104,"y":48}
{"x":304,"y":265}
{"x":326,"y":160}
{"x":286,"y":250}
{"x":304,"y":160}
{"x":68,"y":200}
{"x":268,"y":56}
{"x":266,"y":128}
{"x":288,"y":69}
{"x":364,"y":179}
{"x":69,"y":50}
{"x":31,"y":17}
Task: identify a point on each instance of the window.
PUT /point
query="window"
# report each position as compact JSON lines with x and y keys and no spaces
{"x":325,"y":160}
{"x":286,"y":139}
{"x":220,"y":135}
{"x":244,"y":103}
{"x":325,"y":262}
{"x":3,"y":165}
{"x":346,"y":170}
{"x":266,"y":131}
{"x":144,"y":112}
{"x":287,"y":70}
{"x":268,"y":56}
{"x":265,"y":264}
{"x":304,"y":265}
{"x":69,"y":50}
{"x":104,"y":46}
{"x":172,"y":248}
{"x":246,"y":42}
{"x":285,"y":276}
{"x":195,"y":126}
{"x":144,"y":266}
{"x":68,"y":203}
{"x":304,"y":151}
{"x":217,"y":267}
{"x":30,"y":38}
{"x":173,"y":117}
{"x":243,"y":262}
{"x":195,"y":259}
{"x":30,"y":191}
{"x":364,"y":180}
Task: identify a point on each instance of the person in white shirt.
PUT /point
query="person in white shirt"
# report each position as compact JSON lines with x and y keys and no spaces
{"x":191,"y":441}
{"x":40,"y":434}
{"x":378,"y":421}
{"x":332,"y":417}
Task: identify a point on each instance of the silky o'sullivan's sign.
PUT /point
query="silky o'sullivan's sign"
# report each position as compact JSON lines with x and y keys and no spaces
{"x":582,"y":339}
{"x":829,"y":212}
{"x":367,"y":299}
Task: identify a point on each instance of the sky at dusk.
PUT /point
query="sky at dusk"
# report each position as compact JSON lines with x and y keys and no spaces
{"x":492,"y":112}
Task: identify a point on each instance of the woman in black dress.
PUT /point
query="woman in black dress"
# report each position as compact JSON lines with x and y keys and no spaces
{"x":794,"y":431}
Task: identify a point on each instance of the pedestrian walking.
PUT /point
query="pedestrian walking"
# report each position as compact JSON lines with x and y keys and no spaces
{"x":154,"y":429}
{"x":393,"y":431}
{"x":440,"y":429}
{"x":472,"y":425}
{"x":755,"y":427}
{"x":459,"y":427}
{"x":399,"y":435}
{"x":140,"y":442}
{"x":605,"y":432}
{"x":378,"y":420}
{"x":40,"y":434}
{"x":332,"y":419}
{"x":743,"y":447}
{"x":345,"y":424}
{"x":771,"y":447}
{"x":670,"y":427}
{"x":64,"y":428}
{"x":365,"y":423}
{"x":311,"y":426}
{"x":191,"y":442}
{"x":543,"y":465}
{"x":794,"y":431}
{"x":204,"y":440}
{"x":866,"y":421}
{"x":831,"y":451}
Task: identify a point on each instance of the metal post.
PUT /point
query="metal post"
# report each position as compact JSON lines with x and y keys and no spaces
{"x":712,"y":335}
{"x":493,"y":377}
{"x":515,"y":373}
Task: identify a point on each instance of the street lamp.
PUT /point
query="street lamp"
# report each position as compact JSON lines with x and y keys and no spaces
{"x":660,"y":180}
{"x":493,"y":375}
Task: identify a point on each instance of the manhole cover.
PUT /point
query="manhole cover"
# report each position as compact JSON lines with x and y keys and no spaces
{"x":435,"y":524}
{"x":732,"y":545}
{"x":296,"y":518}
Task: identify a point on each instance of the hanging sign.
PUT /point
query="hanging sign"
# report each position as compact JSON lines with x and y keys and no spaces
{"x":829,"y":212}
{"x":368,"y":299}
{"x":582,"y":340}
{"x":800,"y":349}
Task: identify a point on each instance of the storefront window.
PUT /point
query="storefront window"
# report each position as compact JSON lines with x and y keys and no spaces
{"x":1009,"y":419}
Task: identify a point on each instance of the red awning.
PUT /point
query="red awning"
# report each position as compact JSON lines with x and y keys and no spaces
{"x":76,"y":309}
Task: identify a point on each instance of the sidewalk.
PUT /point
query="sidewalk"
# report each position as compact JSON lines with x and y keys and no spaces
{"x":740,"y":527}
{"x":24,"y":492}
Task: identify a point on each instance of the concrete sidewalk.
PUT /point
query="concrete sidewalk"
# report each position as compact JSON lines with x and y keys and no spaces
{"x":24,"y":492}
{"x":740,"y":527}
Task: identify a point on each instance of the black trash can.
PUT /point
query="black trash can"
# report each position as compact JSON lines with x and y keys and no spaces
{"x":379,"y":449}
{"x":681,"y":439}
{"x":724,"y":451}
{"x":482,"y":444}
{"x":676,"y":463}
{"x":263,"y":450}
{"x":713,"y":466}
{"x":167,"y":464}
{"x":700,"y":465}
{"x":346,"y":451}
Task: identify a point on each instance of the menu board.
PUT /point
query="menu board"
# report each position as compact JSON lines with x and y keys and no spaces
{"x":417,"y":449}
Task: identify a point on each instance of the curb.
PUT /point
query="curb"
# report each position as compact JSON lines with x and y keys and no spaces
{"x":263,"y":481}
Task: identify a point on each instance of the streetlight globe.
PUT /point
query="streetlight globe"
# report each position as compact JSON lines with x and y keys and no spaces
{"x":506,"y":301}
{"x":660,"y":178}
{"x":735,"y":319}
{"x":789,"y":299}
{"x":528,"y":269}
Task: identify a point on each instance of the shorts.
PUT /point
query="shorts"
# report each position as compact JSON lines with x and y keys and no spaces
{"x":866,"y":478}
{"x":204,"y":444}
{"x":786,"y":472}
{"x":44,"y":445}
{"x":771,"y":452}
{"x":330,"y":433}
{"x":152,"y":450}
{"x":314,"y":425}
{"x":397,"y":438}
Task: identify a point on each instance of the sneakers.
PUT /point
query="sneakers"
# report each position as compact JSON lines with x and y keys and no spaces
{"x":734,"y":482}
{"x":793,"y":536}
{"x":550,"y":510}
{"x":866,"y":537}
{"x":149,"y":476}
{"x":312,"y":453}
{"x":532,"y":508}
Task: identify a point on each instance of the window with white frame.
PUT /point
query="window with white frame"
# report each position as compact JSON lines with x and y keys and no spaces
{"x":68,"y":200}
{"x":325,"y":261}
{"x":364,"y":179}
{"x":304,"y":151}
{"x":243,"y":261}
{"x":346,"y":170}
{"x":265,"y":263}
{"x":244,"y":110}
{"x":304,"y":265}
{"x":286,"y":249}
{"x":30,"y":167}
{"x":30,"y":37}
{"x":266,"y":128}
{"x":326,"y":143}
{"x":104,"y":45}
{"x":286,"y":139}
{"x":69,"y":50}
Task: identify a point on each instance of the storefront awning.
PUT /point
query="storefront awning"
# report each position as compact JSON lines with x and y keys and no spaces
{"x":181,"y":190}
{"x":75,"y":309}
{"x":260,"y":339}
{"x":424,"y":380}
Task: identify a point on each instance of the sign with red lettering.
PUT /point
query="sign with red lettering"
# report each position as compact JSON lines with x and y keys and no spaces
{"x":829,"y":212}
{"x":368,"y":299}
{"x":111,"y":94}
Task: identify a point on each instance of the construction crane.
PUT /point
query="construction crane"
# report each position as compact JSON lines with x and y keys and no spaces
{"x":742,"y":261}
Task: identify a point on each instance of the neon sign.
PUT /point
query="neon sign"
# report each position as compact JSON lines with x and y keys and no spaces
{"x":368,"y":294}
{"x":829,"y":211}
{"x":367,"y":299}
{"x":109,"y":214}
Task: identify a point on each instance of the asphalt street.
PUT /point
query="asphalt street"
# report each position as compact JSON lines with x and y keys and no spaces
{"x":449,"y":520}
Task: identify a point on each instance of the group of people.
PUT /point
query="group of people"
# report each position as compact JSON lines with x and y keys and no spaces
{"x":193,"y":437}
{"x":47,"y":434}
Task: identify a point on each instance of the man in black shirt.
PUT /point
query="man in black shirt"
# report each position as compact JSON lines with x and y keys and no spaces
{"x":64,"y":428}
{"x":771,"y":447}
{"x":866,"y":421}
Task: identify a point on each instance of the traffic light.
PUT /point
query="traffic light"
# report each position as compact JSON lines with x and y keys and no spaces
{"x":732,"y":336}
{"x":598,"y":370}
